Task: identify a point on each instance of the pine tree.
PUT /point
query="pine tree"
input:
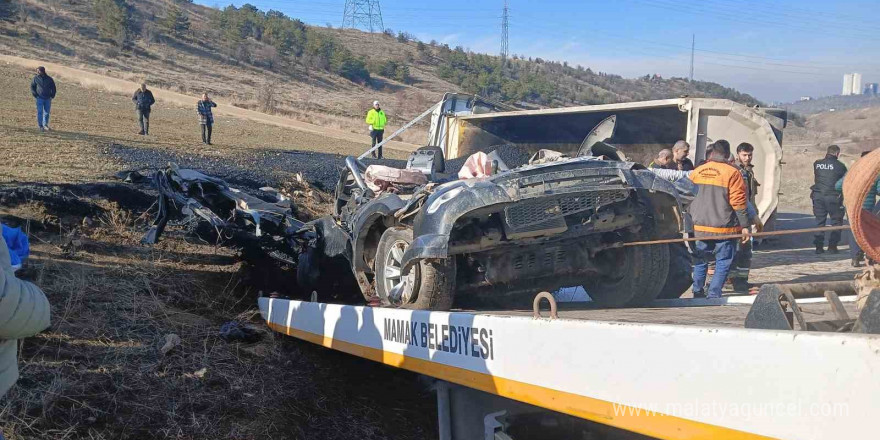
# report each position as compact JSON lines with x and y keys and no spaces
{"x":7,"y":10}
{"x":176,"y":22}
{"x":113,"y":20}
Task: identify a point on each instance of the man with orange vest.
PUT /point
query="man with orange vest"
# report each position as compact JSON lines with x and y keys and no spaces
{"x":719,"y":208}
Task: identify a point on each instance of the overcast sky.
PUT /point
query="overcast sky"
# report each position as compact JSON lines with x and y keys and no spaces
{"x":776,"y":50}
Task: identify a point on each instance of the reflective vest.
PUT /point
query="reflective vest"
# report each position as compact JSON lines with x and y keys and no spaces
{"x":376,"y":119}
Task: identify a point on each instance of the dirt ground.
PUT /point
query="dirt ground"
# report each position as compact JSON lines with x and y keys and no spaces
{"x":98,"y":372}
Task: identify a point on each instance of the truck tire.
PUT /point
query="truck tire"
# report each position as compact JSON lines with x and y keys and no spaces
{"x":635,"y":277}
{"x":430,"y":285}
{"x":681,"y":271}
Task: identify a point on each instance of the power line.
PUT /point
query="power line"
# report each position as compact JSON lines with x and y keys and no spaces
{"x":363,"y":14}
{"x":734,"y":16}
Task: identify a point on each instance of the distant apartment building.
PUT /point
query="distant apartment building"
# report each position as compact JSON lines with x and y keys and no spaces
{"x":806,"y":98}
{"x":852,"y":84}
{"x":871,"y":89}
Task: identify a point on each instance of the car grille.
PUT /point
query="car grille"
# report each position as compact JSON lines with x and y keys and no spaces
{"x":541,"y":210}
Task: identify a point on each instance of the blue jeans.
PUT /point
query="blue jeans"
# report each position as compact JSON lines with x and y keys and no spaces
{"x":725,"y":251}
{"x":43,"y":107}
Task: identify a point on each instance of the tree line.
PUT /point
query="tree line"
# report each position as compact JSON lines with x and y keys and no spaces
{"x":274,"y":40}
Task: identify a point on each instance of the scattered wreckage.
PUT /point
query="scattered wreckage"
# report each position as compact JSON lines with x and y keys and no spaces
{"x":269,"y":217}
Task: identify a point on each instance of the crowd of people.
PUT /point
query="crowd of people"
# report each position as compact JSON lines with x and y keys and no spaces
{"x":43,"y":90}
{"x":725,"y":205}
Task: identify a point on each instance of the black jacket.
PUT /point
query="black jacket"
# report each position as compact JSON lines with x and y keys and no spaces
{"x":827,"y":172}
{"x":143,"y":100}
{"x":43,"y":86}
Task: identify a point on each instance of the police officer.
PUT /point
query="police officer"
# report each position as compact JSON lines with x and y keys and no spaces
{"x":827,"y":200}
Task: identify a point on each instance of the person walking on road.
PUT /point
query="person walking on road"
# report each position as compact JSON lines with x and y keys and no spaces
{"x":376,"y":121}
{"x":739,"y":277}
{"x":206,"y":117}
{"x":680,"y":160}
{"x":719,"y":208}
{"x":43,"y":90}
{"x":827,"y":200}
{"x":663,"y":160}
{"x":143,"y":101}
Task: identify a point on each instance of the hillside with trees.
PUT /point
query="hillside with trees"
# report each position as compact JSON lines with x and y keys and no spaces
{"x":268,"y":61}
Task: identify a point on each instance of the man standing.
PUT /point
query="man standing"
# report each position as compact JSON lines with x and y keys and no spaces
{"x":739,"y":277}
{"x":680,"y":160}
{"x":143,"y":101}
{"x":376,"y":121}
{"x":663,"y":160}
{"x":206,"y":117}
{"x":718,"y":209}
{"x":43,"y":90}
{"x":827,"y":200}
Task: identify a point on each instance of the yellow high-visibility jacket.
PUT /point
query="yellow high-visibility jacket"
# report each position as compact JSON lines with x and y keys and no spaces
{"x":376,"y":119}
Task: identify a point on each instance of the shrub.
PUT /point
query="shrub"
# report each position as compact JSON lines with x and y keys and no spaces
{"x":7,"y":10}
{"x":113,"y":20}
{"x":176,"y":22}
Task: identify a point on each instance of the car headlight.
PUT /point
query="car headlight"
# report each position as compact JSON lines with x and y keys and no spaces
{"x":443,"y":198}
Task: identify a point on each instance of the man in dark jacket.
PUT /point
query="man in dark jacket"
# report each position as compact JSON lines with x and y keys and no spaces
{"x":680,"y":160}
{"x":206,"y":117}
{"x":143,"y":101}
{"x":43,"y":90}
{"x":739,"y":277}
{"x":827,"y":200}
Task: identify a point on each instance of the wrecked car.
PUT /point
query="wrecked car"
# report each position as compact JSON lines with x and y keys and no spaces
{"x":494,"y":231}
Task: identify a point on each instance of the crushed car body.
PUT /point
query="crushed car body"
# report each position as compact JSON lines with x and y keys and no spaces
{"x":552,"y":222}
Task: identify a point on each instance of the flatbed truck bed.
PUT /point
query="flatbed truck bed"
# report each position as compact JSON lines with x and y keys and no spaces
{"x":672,"y":372}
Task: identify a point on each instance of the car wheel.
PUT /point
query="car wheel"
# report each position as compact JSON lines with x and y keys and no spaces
{"x":680,"y":275}
{"x":429,"y":285}
{"x":633,"y":276}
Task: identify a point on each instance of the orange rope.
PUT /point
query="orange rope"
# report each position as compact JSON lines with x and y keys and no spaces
{"x":865,"y":225}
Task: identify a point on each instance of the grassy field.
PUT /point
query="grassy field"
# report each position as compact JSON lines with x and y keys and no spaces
{"x":85,"y":121}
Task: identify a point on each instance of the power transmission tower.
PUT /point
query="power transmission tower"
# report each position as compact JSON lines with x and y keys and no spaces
{"x":504,"y":31}
{"x":691,"y":78}
{"x":363,"y":14}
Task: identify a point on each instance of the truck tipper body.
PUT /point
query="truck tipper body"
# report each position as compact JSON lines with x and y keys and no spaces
{"x":463,"y":124}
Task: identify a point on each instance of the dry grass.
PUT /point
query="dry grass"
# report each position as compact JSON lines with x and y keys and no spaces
{"x":98,"y":373}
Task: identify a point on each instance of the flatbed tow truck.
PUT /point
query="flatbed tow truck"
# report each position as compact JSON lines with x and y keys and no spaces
{"x":669,"y":371}
{"x":739,"y":367}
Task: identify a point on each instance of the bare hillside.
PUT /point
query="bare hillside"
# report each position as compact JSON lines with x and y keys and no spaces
{"x":318,"y":75}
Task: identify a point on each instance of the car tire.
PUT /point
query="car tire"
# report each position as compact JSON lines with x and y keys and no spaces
{"x":432,"y":283}
{"x":639,"y":276}
{"x":680,"y":277}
